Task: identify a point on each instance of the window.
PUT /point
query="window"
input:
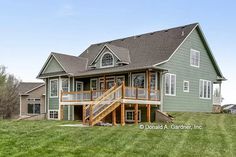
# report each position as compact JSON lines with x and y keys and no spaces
{"x":120,"y":79}
{"x":79,"y":86}
{"x":129,"y":115}
{"x":138,"y":80}
{"x":53,"y":114}
{"x":53,"y":88}
{"x":186,"y":86}
{"x":33,"y":108}
{"x":153,"y":81}
{"x":170,"y":84}
{"x":110,"y":82}
{"x":65,"y":85}
{"x":107,"y":60}
{"x":93,"y":84}
{"x":205,"y":89}
{"x":194,"y":58}
{"x":33,"y":99}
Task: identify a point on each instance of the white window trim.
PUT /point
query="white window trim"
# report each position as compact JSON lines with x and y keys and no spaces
{"x":187,"y":91}
{"x":207,"y":81}
{"x":169,"y":94}
{"x":96,"y":83}
{"x":192,"y":50}
{"x":76,"y":84}
{"x":51,"y":86}
{"x":53,"y":118}
{"x":133,"y":113}
{"x":101,"y":66}
{"x":68,"y":83}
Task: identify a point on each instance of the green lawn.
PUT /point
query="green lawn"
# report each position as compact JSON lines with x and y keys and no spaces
{"x":45,"y":138}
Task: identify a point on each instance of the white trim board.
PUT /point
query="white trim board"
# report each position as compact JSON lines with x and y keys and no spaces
{"x":97,"y":56}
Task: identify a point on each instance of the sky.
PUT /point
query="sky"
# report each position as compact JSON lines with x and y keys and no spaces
{"x":31,"y":29}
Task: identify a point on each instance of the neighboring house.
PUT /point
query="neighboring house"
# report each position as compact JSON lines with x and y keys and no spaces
{"x":32,"y":98}
{"x":170,"y":70}
{"x":231,"y":108}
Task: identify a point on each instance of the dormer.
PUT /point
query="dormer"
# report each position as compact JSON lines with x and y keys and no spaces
{"x":110,"y":56}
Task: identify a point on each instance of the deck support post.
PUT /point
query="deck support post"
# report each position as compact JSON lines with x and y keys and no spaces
{"x":136,"y":114}
{"x":62,"y":112}
{"x":148,"y":113}
{"x":114,"y":117}
{"x":91,"y":114}
{"x":84,"y":114}
{"x":122,"y":115}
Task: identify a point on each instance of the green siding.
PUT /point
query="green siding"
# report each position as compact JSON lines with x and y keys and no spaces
{"x":53,"y":103}
{"x":53,"y":66}
{"x":179,"y":64}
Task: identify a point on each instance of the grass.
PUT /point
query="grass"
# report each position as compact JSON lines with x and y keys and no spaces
{"x":46,"y":138}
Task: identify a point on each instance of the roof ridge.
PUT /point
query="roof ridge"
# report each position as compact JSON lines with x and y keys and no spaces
{"x":57,"y":53}
{"x":139,"y":35}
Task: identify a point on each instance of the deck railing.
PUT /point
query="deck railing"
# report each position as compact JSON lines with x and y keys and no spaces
{"x":127,"y":93}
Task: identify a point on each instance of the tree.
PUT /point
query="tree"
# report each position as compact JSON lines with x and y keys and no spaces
{"x":9,"y":98}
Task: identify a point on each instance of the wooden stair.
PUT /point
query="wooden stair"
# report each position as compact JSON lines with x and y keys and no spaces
{"x":107,"y":103}
{"x":105,"y":112}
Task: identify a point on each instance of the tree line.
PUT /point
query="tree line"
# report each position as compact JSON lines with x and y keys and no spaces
{"x":9,"y":95}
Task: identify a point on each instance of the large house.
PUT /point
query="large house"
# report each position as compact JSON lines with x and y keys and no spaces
{"x":128,"y":79}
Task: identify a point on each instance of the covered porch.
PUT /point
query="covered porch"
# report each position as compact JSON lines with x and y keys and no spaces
{"x":129,"y":91}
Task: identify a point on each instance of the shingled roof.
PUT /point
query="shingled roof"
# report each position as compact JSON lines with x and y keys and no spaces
{"x":145,"y":50}
{"x":71,"y":64}
{"x":140,"y":52}
{"x":25,"y":87}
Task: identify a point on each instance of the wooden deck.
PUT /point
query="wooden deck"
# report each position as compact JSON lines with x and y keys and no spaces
{"x":98,"y":104}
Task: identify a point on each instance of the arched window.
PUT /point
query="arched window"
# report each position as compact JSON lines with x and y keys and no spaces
{"x":107,"y":60}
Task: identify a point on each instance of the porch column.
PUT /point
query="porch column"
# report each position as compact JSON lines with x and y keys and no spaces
{"x":136,"y":114}
{"x":91,"y":114}
{"x":62,"y":112}
{"x":84,"y":114}
{"x":148,"y":113}
{"x":114,"y":117}
{"x":122,"y":115}
{"x":149,"y":95}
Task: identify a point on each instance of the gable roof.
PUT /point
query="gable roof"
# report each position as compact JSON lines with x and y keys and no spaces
{"x":70,"y":64}
{"x":26,"y":87}
{"x":121,"y":53}
{"x":145,"y":50}
{"x":141,"y":52}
